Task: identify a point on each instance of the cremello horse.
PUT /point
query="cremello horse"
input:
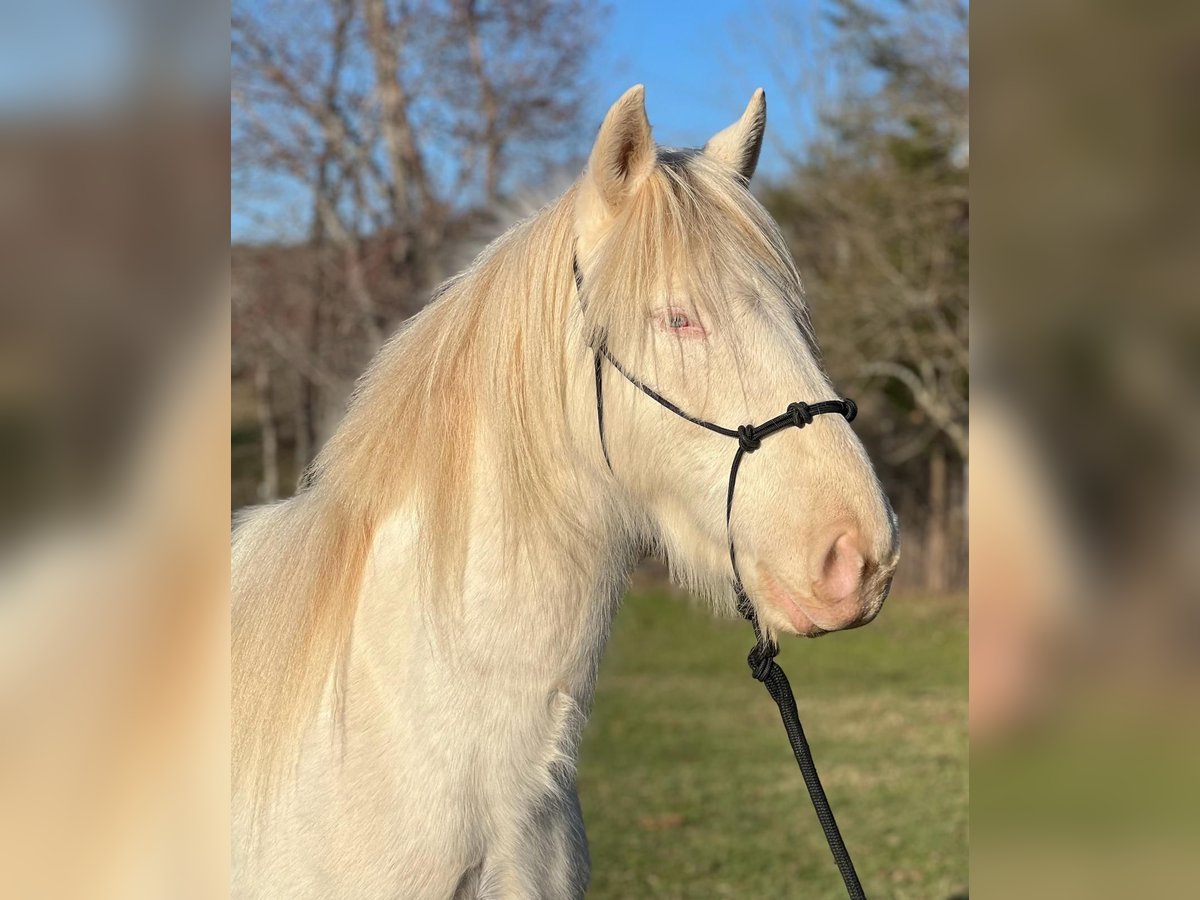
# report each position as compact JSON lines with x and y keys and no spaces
{"x":417,"y":633}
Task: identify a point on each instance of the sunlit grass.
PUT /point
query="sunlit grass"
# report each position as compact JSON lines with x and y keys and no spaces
{"x":689,"y":788}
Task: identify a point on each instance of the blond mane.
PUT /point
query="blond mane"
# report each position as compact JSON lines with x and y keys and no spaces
{"x":486,"y":361}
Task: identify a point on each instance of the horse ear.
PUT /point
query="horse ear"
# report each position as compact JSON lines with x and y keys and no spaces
{"x":624,"y":151}
{"x":738,"y":146}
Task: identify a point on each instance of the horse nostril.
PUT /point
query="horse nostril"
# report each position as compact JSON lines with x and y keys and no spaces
{"x":840,"y":571}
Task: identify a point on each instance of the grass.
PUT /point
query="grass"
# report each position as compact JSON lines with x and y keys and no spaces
{"x":689,"y":788}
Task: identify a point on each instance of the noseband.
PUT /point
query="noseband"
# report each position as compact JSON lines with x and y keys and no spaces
{"x":762,"y":657}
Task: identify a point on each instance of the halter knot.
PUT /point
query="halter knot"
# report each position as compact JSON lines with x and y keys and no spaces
{"x":762,"y":660}
{"x":746,"y":437}
{"x":800,"y":413}
{"x":851,"y":409}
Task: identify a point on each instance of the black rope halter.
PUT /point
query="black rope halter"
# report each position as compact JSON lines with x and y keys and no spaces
{"x":762,"y":656}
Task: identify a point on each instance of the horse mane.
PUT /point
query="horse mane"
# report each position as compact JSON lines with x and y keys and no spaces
{"x":410,"y":433}
{"x":483,"y":366}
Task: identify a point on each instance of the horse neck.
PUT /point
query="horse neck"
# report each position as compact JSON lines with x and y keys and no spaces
{"x":534,"y":614}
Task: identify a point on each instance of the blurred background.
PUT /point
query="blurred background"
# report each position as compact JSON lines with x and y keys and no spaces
{"x":1085,"y":585}
{"x":372,"y":148}
{"x":114,"y":524}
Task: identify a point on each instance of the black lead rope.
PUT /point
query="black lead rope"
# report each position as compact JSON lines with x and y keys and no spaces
{"x":762,"y":656}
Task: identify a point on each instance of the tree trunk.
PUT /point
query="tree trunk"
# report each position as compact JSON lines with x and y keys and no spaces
{"x":303,"y":419}
{"x":937,"y":538}
{"x":404,"y":158}
{"x":331,"y":408}
{"x":268,"y":483}
{"x":468,"y":12}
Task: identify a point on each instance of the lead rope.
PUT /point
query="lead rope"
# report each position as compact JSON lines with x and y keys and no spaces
{"x":761,"y":658}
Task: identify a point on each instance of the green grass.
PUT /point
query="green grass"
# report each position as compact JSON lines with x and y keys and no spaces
{"x":689,"y":788}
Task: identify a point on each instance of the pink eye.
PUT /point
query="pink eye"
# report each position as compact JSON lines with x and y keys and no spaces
{"x":679,"y":323}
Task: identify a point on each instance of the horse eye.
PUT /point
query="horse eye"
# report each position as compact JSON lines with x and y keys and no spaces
{"x":677,"y":322}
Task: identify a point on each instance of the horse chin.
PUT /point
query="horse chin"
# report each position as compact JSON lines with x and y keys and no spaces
{"x":791,"y":612}
{"x":791,"y":618}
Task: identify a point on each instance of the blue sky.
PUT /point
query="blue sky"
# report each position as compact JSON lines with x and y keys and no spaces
{"x":700,"y":62}
{"x":62,"y":58}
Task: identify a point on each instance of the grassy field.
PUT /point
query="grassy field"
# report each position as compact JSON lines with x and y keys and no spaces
{"x":688,"y":786}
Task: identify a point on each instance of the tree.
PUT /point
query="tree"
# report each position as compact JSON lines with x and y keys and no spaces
{"x":385,"y":125}
{"x":877,"y":213}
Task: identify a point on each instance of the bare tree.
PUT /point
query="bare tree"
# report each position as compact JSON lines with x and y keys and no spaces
{"x":508,"y":81}
{"x":410,"y":191}
{"x":380,"y":127}
{"x":268,"y":484}
{"x":877,"y":212}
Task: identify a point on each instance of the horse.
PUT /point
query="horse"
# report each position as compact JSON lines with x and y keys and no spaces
{"x":416,"y":633}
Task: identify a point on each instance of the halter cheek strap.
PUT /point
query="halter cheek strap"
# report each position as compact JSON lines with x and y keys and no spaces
{"x":762,"y":656}
{"x":749,"y":437}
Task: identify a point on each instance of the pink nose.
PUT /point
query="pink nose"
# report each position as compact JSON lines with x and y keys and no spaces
{"x":840,"y":572}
